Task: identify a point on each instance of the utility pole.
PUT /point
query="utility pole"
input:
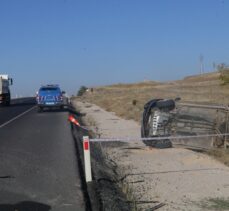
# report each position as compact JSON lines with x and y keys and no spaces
{"x":201,"y":64}
{"x":214,"y":66}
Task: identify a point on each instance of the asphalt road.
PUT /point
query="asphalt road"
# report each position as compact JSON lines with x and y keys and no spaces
{"x":38,"y":163}
{"x":18,"y":106}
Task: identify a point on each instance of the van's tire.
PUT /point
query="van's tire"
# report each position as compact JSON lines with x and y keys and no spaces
{"x":142,"y":132}
{"x":7,"y":103}
{"x":160,"y":144}
{"x":40,"y":109}
{"x":165,"y":104}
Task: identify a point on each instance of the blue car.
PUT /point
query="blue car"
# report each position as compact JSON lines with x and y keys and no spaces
{"x":50,"y":96}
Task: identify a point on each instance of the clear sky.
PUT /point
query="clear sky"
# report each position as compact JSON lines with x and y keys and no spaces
{"x":98,"y":42}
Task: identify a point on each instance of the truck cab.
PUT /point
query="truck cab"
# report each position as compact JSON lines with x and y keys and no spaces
{"x":5,"y":96}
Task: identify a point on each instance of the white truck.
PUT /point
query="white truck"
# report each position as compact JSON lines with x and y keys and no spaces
{"x":5,"y":82}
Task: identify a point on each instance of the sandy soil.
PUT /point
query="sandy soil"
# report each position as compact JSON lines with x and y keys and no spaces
{"x":181,"y":179}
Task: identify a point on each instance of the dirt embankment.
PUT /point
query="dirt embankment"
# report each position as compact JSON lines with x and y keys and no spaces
{"x":168,"y":179}
{"x":127,"y":100}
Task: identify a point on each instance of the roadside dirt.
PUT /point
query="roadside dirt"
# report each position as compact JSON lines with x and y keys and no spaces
{"x":167,"y":179}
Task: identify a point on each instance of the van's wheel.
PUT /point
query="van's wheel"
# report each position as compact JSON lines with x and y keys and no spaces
{"x":7,"y":103}
{"x":40,"y":109}
{"x":166,"y":104}
{"x":160,"y":144}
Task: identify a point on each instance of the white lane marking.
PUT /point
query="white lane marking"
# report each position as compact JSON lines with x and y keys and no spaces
{"x":16,"y":117}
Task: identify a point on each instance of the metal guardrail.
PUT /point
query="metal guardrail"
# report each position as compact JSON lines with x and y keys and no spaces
{"x":157,"y":138}
{"x":221,"y":107}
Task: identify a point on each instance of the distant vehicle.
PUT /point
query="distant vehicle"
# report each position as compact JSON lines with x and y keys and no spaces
{"x":50,"y":96}
{"x":5,"y":96}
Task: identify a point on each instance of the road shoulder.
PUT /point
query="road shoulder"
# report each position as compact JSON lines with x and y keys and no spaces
{"x":176,"y":178}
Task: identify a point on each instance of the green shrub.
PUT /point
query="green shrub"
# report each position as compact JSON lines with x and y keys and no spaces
{"x":82,"y":90}
{"x":224,"y":74}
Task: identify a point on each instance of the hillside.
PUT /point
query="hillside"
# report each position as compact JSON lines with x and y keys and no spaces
{"x":127,"y":100}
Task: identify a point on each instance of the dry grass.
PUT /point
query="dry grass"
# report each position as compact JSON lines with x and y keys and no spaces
{"x":215,"y":204}
{"x":221,"y":155}
{"x":127,"y":100}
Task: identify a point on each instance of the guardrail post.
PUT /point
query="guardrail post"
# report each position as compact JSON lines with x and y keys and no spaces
{"x":87,"y":158}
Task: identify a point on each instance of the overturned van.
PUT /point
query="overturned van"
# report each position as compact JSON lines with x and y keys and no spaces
{"x":168,"y":117}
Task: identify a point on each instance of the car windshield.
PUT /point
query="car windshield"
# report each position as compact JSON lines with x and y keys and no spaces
{"x":49,"y":89}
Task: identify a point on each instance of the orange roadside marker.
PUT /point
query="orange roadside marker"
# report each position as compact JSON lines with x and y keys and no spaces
{"x":72,"y":119}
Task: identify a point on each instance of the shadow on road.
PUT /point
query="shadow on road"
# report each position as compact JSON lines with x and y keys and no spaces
{"x":68,"y":108}
{"x":72,"y":110}
{"x":53,"y":110}
{"x":22,"y":104}
{"x":25,"y":206}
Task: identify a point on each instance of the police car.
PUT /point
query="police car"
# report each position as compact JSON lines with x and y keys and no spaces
{"x":50,"y":96}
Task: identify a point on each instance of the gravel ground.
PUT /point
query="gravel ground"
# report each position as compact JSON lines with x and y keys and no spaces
{"x":172,"y":179}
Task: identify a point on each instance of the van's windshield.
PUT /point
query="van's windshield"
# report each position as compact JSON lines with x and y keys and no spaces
{"x":49,"y":89}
